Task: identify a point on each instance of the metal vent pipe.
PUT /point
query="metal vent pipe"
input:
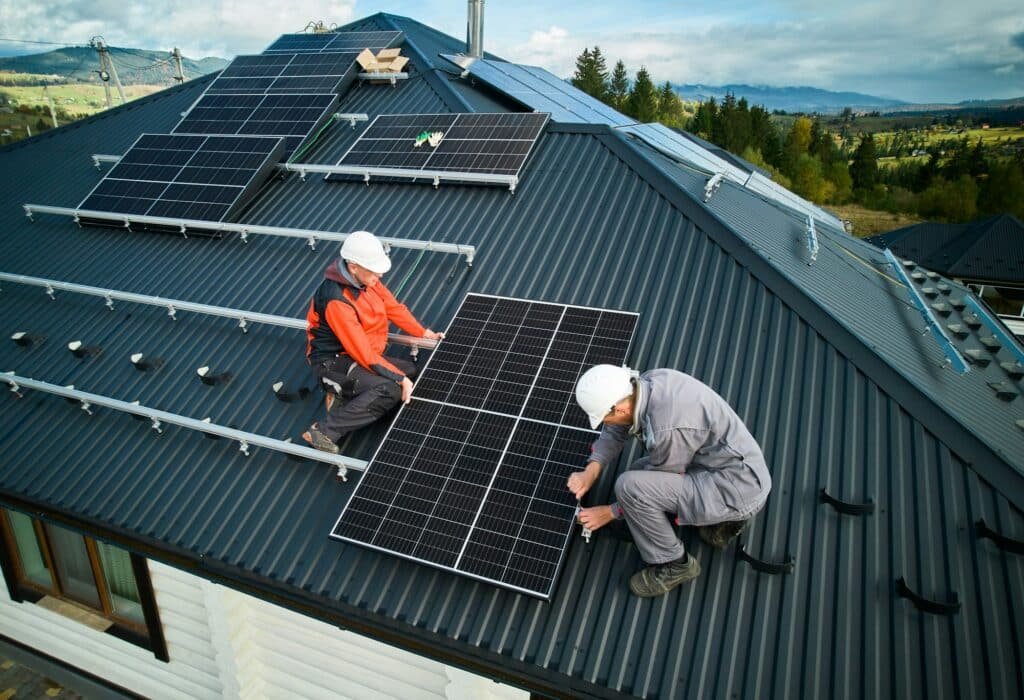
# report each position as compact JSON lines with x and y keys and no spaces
{"x":475,"y":29}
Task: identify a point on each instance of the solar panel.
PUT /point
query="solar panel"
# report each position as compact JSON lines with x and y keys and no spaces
{"x":188,"y":177}
{"x":287,"y":73}
{"x":541,"y":91}
{"x":471,"y":475}
{"x":497,"y":144}
{"x":292,"y":117}
{"x":335,"y":41}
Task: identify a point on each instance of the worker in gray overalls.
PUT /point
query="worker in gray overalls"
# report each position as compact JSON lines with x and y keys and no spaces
{"x":703,"y":467}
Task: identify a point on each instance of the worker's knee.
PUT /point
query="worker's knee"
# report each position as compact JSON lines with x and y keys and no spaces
{"x":629,"y":486}
{"x":386,"y":396}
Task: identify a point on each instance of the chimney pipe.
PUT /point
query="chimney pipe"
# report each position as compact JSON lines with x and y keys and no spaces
{"x":475,"y":29}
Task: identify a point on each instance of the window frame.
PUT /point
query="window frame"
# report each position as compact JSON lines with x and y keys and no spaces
{"x":147,"y":634}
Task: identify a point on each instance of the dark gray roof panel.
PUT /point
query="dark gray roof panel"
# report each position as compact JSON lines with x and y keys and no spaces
{"x":586,"y":226}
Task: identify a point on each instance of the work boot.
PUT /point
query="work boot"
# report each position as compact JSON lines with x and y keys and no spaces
{"x":662,"y":578}
{"x":318,"y":440}
{"x":720,"y":535}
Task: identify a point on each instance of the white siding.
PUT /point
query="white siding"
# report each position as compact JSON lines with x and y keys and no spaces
{"x":223,"y":643}
{"x":191,"y":673}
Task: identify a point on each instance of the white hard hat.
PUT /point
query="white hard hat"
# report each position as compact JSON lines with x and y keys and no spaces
{"x":600,"y":388}
{"x":363,"y":248}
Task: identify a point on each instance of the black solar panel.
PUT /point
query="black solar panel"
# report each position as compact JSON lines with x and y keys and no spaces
{"x":471,"y":143}
{"x":466,"y":479}
{"x":188,"y":177}
{"x":335,"y":41}
{"x":286,"y":73}
{"x":293,"y":117}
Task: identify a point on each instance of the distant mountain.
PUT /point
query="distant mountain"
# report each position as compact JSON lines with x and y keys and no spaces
{"x":790,"y":99}
{"x":134,"y":66}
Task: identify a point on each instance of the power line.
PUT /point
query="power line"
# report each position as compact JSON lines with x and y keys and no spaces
{"x":32,"y":41}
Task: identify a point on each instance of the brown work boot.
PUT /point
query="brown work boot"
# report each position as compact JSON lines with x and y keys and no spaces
{"x":661,"y":578}
{"x":318,"y":440}
{"x":720,"y":535}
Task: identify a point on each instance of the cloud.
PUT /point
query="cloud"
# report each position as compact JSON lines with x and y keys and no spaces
{"x":1004,"y":70}
{"x":551,"y":48}
{"x":198,"y":27}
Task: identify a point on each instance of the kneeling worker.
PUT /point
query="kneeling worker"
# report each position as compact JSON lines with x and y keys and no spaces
{"x":347,"y":331}
{"x":703,"y":467}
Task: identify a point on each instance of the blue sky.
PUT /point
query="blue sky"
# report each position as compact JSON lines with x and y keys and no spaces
{"x":940,"y":51}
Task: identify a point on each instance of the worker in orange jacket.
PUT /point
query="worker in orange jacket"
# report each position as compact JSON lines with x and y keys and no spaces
{"x":347,"y":331}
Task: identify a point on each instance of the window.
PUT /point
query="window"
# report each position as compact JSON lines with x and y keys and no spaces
{"x":53,"y":566}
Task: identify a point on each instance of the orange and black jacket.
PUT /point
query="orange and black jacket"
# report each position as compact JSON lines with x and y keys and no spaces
{"x":344,"y":319}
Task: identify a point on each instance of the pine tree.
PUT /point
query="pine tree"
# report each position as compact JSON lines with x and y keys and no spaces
{"x":591,"y":74}
{"x":864,"y":168}
{"x":618,"y":91}
{"x":670,"y":107}
{"x":643,"y":98}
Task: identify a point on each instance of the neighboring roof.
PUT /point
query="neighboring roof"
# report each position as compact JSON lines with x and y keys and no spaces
{"x":990,"y":250}
{"x":827,"y":363}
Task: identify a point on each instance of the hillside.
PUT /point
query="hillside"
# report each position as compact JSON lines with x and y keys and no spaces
{"x":790,"y":99}
{"x":134,"y":66}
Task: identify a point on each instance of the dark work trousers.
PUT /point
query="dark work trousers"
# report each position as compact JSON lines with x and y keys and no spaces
{"x":361,"y":396}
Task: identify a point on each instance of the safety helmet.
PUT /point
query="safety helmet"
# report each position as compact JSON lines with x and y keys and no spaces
{"x":363,"y":248}
{"x":600,"y":388}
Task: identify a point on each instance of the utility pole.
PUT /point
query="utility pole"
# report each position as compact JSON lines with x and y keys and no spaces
{"x":107,"y":69}
{"x":53,"y":112}
{"x":180,"y":74}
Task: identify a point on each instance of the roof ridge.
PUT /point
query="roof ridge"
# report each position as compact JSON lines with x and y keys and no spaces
{"x":982,"y":457}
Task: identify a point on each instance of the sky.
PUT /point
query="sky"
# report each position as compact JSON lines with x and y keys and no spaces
{"x":913,"y":50}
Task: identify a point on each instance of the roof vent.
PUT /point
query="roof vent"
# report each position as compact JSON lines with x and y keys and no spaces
{"x":918,"y":277}
{"x":958,"y":330}
{"x":81,"y":351}
{"x":959,"y":304}
{"x":210,"y":378}
{"x":991,"y":342}
{"x":944,"y":288}
{"x":1004,"y":392}
{"x":475,"y":28}
{"x":27,"y":340}
{"x":972,"y":321}
{"x":976,"y":356}
{"x":289,"y":396}
{"x":930,"y":292}
{"x":144,"y":365}
{"x":1014,"y":369}
{"x":942,"y":309}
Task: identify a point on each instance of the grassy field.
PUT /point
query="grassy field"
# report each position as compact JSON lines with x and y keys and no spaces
{"x":71,"y":101}
{"x":868,"y":222}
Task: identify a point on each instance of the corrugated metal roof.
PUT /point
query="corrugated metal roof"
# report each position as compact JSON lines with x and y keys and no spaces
{"x":991,"y":249}
{"x":723,"y":294}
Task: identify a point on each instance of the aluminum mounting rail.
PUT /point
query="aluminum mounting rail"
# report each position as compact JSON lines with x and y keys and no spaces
{"x":245,"y":230}
{"x":160,"y":418}
{"x":952,"y":354}
{"x":173,"y":306}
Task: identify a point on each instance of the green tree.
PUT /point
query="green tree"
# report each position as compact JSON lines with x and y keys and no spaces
{"x":809,"y":181}
{"x":643,"y":98}
{"x":591,"y":74}
{"x":703,"y":121}
{"x":954,"y":201}
{"x":798,"y":143}
{"x":618,"y":86}
{"x":670,"y":107}
{"x":864,"y":168}
{"x":1003,"y":191}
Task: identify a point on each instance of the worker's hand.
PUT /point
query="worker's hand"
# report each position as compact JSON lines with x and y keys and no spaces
{"x":406,"y":389}
{"x":431,"y":335}
{"x":580,"y":482}
{"x":596,"y":517}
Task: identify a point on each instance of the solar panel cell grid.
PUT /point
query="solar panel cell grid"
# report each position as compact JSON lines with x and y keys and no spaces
{"x":474,"y":485}
{"x":334,"y":41}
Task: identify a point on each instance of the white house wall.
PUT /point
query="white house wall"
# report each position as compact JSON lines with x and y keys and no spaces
{"x":223,"y":643}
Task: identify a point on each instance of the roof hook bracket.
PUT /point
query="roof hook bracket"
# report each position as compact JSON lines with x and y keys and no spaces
{"x":312,"y":243}
{"x":712,"y":185}
{"x":172,"y":312}
{"x":244,"y":235}
{"x":49,"y":292}
{"x":437,"y":182}
{"x":155,"y":425}
{"x":87,"y":407}
{"x":366,"y":178}
{"x":28,"y":211}
{"x":927,"y":605}
{"x":242,"y":323}
{"x":846,"y":507}
{"x":342,"y":474}
{"x":109,"y":302}
{"x":762,"y":566}
{"x":243,"y":447}
{"x":1007,"y":544}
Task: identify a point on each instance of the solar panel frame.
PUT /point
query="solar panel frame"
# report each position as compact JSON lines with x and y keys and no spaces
{"x":474,"y":144}
{"x":525,"y":492}
{"x":540,"y":91}
{"x":293,"y":117}
{"x":186,"y":176}
{"x":335,"y":41}
{"x":322,"y":72}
